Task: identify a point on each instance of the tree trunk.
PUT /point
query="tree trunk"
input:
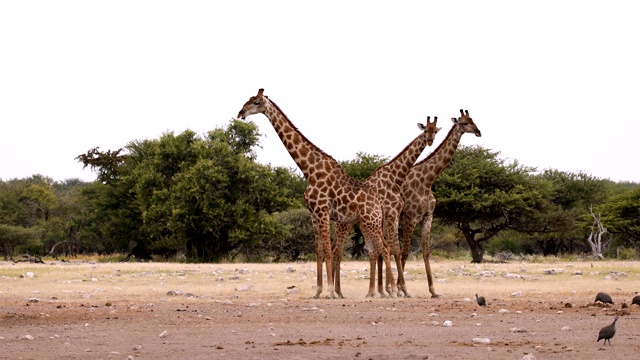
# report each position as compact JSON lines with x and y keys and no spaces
{"x":595,"y":238}
{"x":476,"y":247}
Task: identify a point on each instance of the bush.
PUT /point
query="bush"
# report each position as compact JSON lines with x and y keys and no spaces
{"x":623,"y":253}
{"x":503,"y":244}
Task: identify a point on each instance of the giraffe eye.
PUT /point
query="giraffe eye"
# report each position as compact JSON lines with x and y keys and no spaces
{"x":256,"y":103}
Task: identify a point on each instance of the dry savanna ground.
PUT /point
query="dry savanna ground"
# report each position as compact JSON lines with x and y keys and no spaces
{"x":92,"y":310}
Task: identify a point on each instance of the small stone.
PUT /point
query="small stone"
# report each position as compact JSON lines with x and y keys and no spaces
{"x":163,"y":334}
{"x":33,"y":300}
{"x":244,"y":287}
{"x":28,"y":337}
{"x":518,"y":330}
{"x":137,"y":347}
{"x":565,"y":328}
{"x":292,"y":289}
{"x":482,"y":341}
{"x":528,"y":357}
{"x":516,"y":293}
{"x":503,"y":311}
{"x":447,"y":323}
{"x":174,"y":292}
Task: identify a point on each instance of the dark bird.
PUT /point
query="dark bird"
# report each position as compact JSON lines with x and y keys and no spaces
{"x":636,"y":300}
{"x":604,"y":298}
{"x":607,"y":332}
{"x":480,"y":300}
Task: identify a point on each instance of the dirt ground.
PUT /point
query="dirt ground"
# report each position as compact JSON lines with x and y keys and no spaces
{"x":249,"y":311}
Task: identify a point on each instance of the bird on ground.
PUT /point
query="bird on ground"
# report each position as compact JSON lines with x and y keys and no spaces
{"x":607,"y":332}
{"x":603,"y":298}
{"x":636,"y":300}
{"x":480,"y":300}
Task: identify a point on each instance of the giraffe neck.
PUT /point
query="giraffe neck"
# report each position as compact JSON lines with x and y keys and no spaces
{"x":433,"y":165}
{"x":396,"y":169}
{"x":306,"y":154}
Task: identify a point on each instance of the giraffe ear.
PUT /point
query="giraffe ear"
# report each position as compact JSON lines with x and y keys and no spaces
{"x":438,"y":129}
{"x":454,"y":120}
{"x":262,"y":90}
{"x":421,"y":126}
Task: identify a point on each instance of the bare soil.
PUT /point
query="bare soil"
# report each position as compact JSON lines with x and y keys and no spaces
{"x":252,"y":311}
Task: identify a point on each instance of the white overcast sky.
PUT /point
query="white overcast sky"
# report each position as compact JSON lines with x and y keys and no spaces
{"x":553,"y":84}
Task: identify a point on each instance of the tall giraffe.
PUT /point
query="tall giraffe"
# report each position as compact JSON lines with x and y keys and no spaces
{"x":387,"y":179}
{"x":419,"y":201}
{"x":331,"y":194}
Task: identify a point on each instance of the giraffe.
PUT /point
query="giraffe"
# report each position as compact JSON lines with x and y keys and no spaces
{"x":387,"y":179}
{"x":331,"y":194}
{"x":419,"y":201}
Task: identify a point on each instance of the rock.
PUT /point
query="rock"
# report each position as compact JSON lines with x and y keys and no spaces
{"x":163,"y":334}
{"x":486,"y":273}
{"x":33,"y":300}
{"x":529,"y":357}
{"x":174,"y":292}
{"x":244,"y":287}
{"x":292,"y":289}
{"x":447,"y":323}
{"x":481,"y":341}
{"x":516,"y":293}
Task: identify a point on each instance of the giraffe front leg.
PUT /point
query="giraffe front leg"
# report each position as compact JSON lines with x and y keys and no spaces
{"x":392,"y":245}
{"x":407,"y":233}
{"x":319,"y":254}
{"x":426,"y":249}
{"x":319,"y":261}
{"x":372,"y":276}
{"x":387,"y":261}
{"x":381,"y":288}
{"x":326,"y":247}
{"x":342,"y":231}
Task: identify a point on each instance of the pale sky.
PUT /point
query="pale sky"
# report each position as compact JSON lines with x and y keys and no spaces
{"x":553,"y":84}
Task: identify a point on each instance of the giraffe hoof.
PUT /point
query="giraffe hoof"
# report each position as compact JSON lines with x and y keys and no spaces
{"x":435,"y":296}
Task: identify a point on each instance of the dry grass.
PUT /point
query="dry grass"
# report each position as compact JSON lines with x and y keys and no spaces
{"x":150,"y":282}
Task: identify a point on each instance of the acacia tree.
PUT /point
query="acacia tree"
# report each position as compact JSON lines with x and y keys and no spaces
{"x":483,"y":195}
{"x":201,"y":194}
{"x":563,"y":226}
{"x":622,"y":216}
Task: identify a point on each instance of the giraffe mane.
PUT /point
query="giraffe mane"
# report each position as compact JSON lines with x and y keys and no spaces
{"x":388,"y":163}
{"x":301,"y":134}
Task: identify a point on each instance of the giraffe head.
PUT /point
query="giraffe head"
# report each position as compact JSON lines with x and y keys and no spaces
{"x":430,"y":130}
{"x":466,"y":123}
{"x":255,"y":105}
